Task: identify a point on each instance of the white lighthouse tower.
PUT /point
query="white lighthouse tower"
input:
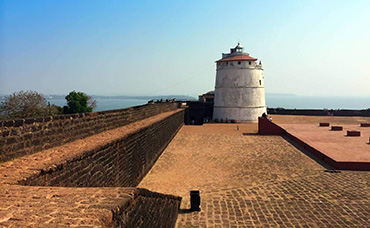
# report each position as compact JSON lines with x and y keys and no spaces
{"x":239,"y":90}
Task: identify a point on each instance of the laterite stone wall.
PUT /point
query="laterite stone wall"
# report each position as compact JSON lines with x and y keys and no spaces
{"x":122,"y":163}
{"x":26,"y":136}
{"x":89,"y":181}
{"x":149,"y":209}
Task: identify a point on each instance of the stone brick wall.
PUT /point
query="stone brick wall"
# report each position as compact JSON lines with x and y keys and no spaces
{"x":63,"y":207}
{"x":123,"y":162}
{"x":149,"y":209}
{"x":266,"y":127}
{"x":116,"y":156}
{"x":26,"y":136}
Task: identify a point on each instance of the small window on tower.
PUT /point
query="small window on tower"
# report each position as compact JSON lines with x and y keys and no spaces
{"x":250,"y":63}
{"x":260,"y":82}
{"x":239,"y":63}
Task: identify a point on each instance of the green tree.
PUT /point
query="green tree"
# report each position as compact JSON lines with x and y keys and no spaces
{"x":78,"y":102}
{"x":23,"y":104}
{"x":55,"y":110}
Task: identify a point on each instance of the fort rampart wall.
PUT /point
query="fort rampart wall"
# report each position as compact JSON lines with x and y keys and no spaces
{"x":122,"y":160}
{"x":26,"y":136}
{"x":62,"y":184}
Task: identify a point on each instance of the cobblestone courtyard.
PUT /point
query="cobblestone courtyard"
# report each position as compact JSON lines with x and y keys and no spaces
{"x":247,"y":180}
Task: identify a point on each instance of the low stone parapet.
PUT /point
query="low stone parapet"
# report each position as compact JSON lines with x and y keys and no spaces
{"x":266,"y":127}
{"x":35,"y":206}
{"x":353,"y":133}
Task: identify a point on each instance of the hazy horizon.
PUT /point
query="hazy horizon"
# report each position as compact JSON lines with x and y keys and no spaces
{"x":273,"y":100}
{"x":307,"y":48}
{"x":196,"y":96}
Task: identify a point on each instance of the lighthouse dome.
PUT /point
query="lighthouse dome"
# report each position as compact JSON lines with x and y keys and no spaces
{"x":239,"y":46}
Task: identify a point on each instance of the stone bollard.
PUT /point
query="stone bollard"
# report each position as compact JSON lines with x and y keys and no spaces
{"x":194,"y":200}
{"x":336,"y":128}
{"x":353,"y":133}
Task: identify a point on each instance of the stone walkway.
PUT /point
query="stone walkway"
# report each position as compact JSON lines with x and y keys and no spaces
{"x":247,"y":180}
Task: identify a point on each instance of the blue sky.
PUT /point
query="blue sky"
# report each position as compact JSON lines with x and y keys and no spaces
{"x":169,"y":47}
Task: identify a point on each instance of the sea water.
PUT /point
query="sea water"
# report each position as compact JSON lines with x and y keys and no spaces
{"x":272,"y":101}
{"x":317,"y":102}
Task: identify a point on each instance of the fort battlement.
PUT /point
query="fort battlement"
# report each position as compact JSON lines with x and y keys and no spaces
{"x":26,"y":136}
{"x":114,"y":149}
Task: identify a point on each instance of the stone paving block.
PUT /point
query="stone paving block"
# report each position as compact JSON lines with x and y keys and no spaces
{"x":256,"y":181}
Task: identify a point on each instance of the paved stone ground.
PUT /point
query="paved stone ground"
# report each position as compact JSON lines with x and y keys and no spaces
{"x":247,"y":180}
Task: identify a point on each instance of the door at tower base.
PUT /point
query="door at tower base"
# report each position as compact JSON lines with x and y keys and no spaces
{"x":239,"y":89}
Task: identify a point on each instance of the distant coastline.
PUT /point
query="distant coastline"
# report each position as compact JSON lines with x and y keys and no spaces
{"x":154,"y":97}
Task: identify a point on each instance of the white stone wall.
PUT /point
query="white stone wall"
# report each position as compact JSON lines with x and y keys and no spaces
{"x":239,"y":92}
